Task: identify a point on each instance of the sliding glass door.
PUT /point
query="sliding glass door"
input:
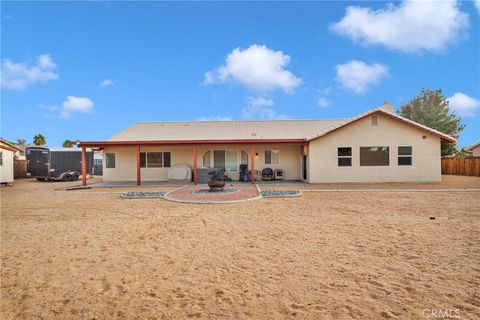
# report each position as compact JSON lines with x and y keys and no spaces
{"x":219,"y":159}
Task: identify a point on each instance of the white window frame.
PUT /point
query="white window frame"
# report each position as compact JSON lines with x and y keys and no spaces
{"x":107,"y":162}
{"x":239,"y":158}
{"x":375,"y":165}
{"x":163,"y":159}
{"x":405,"y":156}
{"x":271,"y":156}
{"x":344,"y":157}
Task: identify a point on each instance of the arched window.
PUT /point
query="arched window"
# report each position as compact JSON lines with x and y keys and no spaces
{"x":206,"y":159}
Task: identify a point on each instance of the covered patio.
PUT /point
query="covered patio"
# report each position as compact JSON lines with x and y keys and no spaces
{"x":290,"y":156}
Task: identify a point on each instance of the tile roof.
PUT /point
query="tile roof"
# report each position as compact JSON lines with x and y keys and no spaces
{"x":251,"y":131}
{"x":224,"y":130}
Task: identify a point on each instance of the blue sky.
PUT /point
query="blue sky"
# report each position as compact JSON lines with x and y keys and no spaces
{"x":87,"y":70}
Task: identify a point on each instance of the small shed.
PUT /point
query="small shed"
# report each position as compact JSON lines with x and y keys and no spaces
{"x":7,"y":154}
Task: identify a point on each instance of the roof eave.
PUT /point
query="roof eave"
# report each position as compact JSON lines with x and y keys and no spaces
{"x":99,"y":144}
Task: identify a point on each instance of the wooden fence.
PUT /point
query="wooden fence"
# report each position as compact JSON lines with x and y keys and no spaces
{"x":461,"y":166}
{"x":19,"y":169}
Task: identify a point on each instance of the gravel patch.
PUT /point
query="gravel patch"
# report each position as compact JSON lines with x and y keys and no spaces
{"x":142,"y":195}
{"x":280,"y":193}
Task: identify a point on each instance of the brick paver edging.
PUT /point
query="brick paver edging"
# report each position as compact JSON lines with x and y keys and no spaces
{"x":169,"y":197}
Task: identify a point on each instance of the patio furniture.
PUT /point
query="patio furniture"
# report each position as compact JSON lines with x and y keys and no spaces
{"x":267,"y":174}
{"x":278,"y":174}
{"x":244,"y":174}
{"x":180,"y":172}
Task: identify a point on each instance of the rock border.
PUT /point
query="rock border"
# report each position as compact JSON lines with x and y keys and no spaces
{"x":143,"y":195}
{"x":281,"y":193}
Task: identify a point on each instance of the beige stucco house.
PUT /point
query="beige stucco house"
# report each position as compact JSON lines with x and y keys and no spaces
{"x":376,"y":146}
{"x":474,"y":149}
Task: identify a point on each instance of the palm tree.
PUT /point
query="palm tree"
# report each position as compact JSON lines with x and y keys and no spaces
{"x":39,"y":140}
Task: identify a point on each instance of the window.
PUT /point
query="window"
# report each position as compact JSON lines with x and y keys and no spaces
{"x":1,"y":158}
{"x":110,"y":160}
{"x":167,"y":159}
{"x":374,"y":120}
{"x":271,"y":156}
{"x":226,"y":159}
{"x":244,"y":157}
{"x":155,"y":159}
{"x":231,"y":164}
{"x":206,"y":159}
{"x":344,"y":156}
{"x":219,"y":159}
{"x":374,"y":156}
{"x":405,"y":156}
{"x":143,"y":160}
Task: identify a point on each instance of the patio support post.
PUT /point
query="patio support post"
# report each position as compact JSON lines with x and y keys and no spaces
{"x":84,"y":166}
{"x":139,"y":181}
{"x":252,"y":160}
{"x":195,"y":178}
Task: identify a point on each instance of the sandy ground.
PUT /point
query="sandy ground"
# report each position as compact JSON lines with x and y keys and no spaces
{"x":89,"y":255}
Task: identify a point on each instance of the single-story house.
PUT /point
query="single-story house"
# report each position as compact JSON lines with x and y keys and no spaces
{"x":474,"y":149}
{"x":376,"y":146}
{"x":7,"y":155}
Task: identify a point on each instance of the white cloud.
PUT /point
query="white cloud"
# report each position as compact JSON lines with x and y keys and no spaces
{"x":76,"y":105}
{"x":106,"y":82}
{"x":358,"y":76}
{"x":323,"y":102}
{"x":463,"y":105}
{"x":260,"y":107}
{"x":477,"y":5}
{"x":410,"y":26}
{"x":258,"y":68}
{"x":18,"y":76}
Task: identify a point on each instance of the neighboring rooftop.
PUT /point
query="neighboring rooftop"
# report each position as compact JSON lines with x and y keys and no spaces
{"x":473,"y":146}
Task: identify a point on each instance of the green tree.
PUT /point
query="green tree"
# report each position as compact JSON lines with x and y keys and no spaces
{"x":39,"y":140}
{"x":68,"y":143}
{"x":430,"y":108}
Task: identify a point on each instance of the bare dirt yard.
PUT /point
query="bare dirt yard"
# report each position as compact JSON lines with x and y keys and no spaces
{"x":88,"y":254}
